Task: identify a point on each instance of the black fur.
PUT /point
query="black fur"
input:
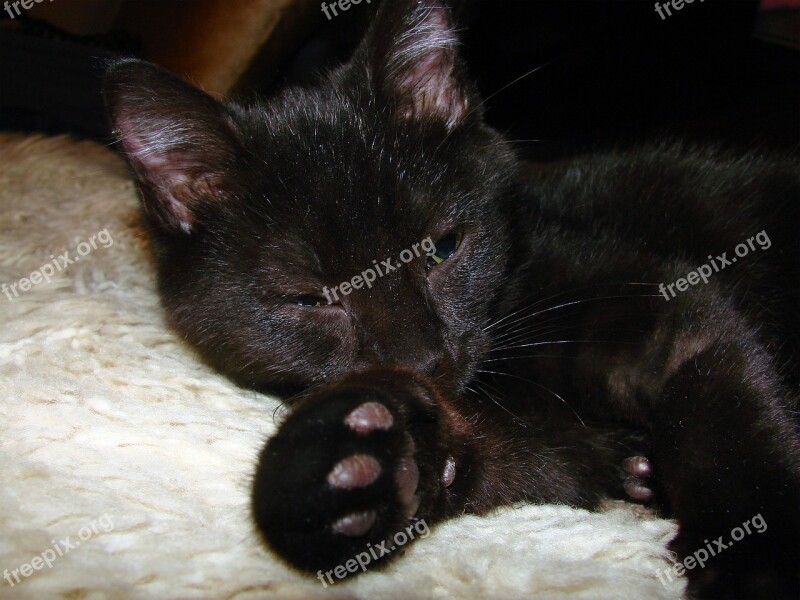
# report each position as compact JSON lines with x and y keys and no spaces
{"x":533,"y":358}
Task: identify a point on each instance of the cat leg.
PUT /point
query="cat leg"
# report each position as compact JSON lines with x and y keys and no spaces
{"x":360,"y":465}
{"x":727,"y":451}
{"x":351,"y":471}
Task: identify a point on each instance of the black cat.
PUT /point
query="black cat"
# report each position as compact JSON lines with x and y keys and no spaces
{"x":562,"y":311}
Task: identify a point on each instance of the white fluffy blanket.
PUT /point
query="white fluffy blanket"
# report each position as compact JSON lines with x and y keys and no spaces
{"x":126,"y":463}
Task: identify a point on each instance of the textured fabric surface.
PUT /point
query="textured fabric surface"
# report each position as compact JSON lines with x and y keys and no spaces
{"x":128,"y":461}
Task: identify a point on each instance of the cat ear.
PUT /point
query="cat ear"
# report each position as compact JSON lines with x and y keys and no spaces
{"x":413,"y":59}
{"x":178,"y":140}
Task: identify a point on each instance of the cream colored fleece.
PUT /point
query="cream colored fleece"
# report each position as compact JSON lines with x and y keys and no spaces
{"x":114,"y":435}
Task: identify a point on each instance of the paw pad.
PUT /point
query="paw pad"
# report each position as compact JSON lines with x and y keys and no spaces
{"x":369,"y":417}
{"x":355,"y":524}
{"x":358,"y":470}
{"x":639,"y":469}
{"x":638,"y":466}
{"x":449,"y":472}
{"x":407,"y":478}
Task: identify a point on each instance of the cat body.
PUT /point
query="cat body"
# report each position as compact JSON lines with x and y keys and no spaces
{"x":526,"y":358}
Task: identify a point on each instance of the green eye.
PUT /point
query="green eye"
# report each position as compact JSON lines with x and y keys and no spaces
{"x":310,"y":301}
{"x":445,"y":248}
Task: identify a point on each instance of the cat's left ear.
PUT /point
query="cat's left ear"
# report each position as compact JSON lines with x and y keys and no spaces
{"x":412,"y":57}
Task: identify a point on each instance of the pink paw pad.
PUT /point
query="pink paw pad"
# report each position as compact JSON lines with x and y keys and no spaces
{"x":355,"y":524}
{"x":449,"y":472}
{"x":358,"y":470}
{"x":638,"y":466}
{"x":407,"y":478}
{"x":639,"y":469}
{"x":369,"y":417}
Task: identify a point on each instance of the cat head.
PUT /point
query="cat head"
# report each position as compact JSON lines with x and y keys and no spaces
{"x":266,"y":217}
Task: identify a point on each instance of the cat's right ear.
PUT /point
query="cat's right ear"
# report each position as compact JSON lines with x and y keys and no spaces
{"x":178,"y":140}
{"x":411,"y":55}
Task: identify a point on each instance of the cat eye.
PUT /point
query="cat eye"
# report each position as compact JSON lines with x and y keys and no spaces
{"x":309,"y":301}
{"x":445,"y":248}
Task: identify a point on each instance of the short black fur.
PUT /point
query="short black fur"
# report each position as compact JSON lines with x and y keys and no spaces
{"x":526,"y":366}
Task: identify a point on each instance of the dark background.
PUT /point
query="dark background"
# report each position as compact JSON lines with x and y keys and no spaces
{"x":612,"y":72}
{"x":615,"y":72}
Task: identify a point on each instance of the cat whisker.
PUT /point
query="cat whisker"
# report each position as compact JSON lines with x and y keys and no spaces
{"x":503,"y":358}
{"x":574,"y":303}
{"x":567,"y":404}
{"x":552,"y":324}
{"x":530,"y":333}
{"x":485,"y":393}
{"x":560,"y":293}
{"x":567,"y":342}
{"x":501,"y":90}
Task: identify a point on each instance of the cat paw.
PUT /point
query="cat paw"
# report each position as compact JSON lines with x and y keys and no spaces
{"x":352,"y":468}
{"x":638,"y":471}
